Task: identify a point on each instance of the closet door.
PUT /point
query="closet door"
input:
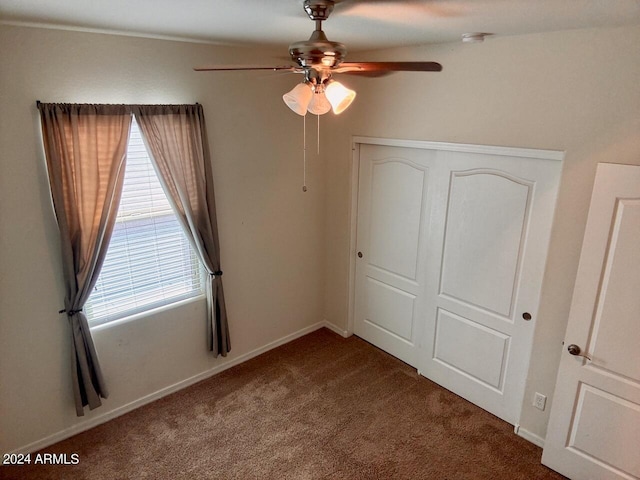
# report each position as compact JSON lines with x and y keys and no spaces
{"x":491,"y":223}
{"x":393,"y":217}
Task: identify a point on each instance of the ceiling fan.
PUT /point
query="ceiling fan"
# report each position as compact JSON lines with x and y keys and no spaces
{"x":318,"y":59}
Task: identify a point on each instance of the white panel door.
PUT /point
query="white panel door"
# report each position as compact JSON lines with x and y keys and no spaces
{"x":487,"y":252}
{"x":393,"y":216}
{"x":594,"y":429}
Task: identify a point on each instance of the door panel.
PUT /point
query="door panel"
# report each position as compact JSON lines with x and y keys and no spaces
{"x":389,"y":308}
{"x":477,"y":269}
{"x":483,"y":358}
{"x":393,"y":214}
{"x":594,"y":429}
{"x":617,"y":312}
{"x":396,"y":206}
{"x":487,"y":256}
{"x":603,"y":422}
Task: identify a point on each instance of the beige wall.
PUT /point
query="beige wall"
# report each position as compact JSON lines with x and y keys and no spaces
{"x":271,"y":233}
{"x":575,"y":91}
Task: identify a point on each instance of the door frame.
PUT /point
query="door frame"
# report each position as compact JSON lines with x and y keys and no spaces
{"x":356,"y":141}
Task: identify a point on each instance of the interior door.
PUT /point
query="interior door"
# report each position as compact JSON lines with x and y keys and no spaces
{"x":594,"y":429}
{"x":487,"y":253}
{"x":393,"y":217}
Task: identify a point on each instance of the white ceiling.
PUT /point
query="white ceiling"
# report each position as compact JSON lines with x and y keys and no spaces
{"x":360,"y":24}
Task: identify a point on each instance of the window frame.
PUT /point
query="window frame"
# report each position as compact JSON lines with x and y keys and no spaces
{"x":198,"y":280}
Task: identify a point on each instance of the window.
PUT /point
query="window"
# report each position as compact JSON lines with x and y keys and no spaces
{"x":150,"y":262}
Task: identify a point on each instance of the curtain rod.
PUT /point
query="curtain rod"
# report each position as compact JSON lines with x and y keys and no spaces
{"x":38,"y":102}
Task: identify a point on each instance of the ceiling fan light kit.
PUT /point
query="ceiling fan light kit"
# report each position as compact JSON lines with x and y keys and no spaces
{"x":318,"y":99}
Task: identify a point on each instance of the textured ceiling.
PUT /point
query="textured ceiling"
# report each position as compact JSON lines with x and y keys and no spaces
{"x":361,"y":24}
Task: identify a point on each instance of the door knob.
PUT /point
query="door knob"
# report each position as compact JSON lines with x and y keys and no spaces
{"x":576,"y":351}
{"x":359,"y":254}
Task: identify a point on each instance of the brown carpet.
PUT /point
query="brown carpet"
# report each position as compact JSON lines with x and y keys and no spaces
{"x":320,"y":407}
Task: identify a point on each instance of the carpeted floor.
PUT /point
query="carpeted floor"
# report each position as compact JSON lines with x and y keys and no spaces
{"x":320,"y":407}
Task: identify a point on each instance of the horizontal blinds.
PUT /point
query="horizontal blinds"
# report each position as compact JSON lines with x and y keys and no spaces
{"x":150,"y":262}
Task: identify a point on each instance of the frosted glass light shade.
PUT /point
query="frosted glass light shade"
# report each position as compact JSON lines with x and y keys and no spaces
{"x":319,"y":104}
{"x":298,"y":98}
{"x":339,"y":96}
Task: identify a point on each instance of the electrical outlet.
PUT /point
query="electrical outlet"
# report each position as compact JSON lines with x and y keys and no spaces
{"x":539,"y":401}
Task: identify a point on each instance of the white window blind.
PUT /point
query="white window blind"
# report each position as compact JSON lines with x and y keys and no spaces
{"x":150,"y":262}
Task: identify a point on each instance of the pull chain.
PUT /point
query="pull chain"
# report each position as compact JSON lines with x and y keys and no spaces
{"x":318,"y":136}
{"x":304,"y":153}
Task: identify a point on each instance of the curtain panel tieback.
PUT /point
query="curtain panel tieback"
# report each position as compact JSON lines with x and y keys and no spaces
{"x":217,"y":273}
{"x":70,"y":312}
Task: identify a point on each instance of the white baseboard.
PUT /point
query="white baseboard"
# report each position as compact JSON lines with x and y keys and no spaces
{"x":334,"y":328}
{"x":527,"y":435}
{"x":88,"y":424}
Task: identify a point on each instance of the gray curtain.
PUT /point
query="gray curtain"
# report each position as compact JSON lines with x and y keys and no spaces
{"x":85,"y":147}
{"x":176,"y":138}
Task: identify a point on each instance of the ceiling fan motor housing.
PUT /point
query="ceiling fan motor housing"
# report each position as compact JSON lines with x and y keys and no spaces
{"x":318,"y":51}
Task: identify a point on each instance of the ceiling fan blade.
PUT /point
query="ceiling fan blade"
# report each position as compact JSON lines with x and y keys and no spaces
{"x":377,"y":69}
{"x":223,"y":68}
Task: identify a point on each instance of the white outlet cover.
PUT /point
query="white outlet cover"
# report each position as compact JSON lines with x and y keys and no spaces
{"x":539,"y":401}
